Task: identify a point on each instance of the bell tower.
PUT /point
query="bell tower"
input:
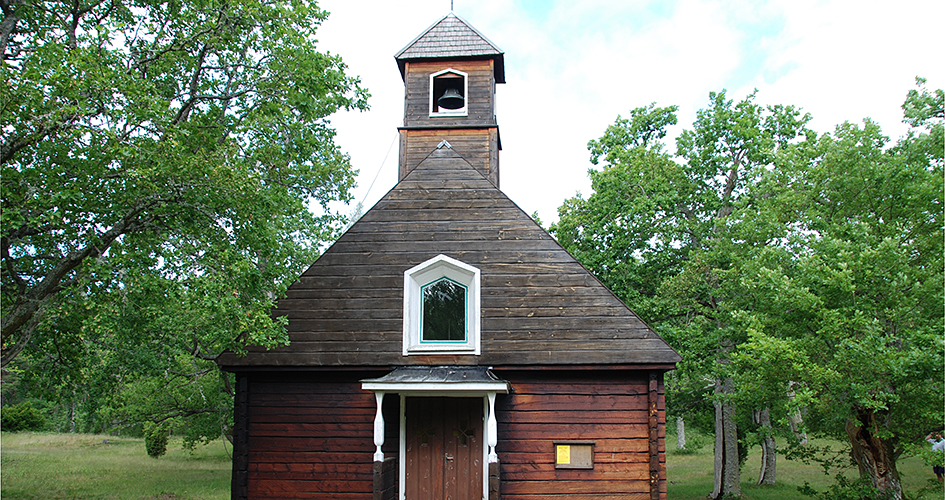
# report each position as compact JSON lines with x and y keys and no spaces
{"x":450,"y":72}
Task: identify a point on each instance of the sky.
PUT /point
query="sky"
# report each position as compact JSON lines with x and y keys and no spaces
{"x":573,"y":66}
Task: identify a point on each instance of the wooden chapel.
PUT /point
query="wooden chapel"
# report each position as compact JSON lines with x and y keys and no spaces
{"x":446,"y":346}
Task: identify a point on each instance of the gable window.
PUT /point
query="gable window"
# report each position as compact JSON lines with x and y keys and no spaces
{"x":448,"y":91}
{"x":444,"y":312}
{"x":441,"y":308}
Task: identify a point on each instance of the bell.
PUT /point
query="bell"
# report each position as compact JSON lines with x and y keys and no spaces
{"x":451,"y":99}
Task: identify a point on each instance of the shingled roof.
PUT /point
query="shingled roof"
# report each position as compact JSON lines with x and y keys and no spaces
{"x":452,"y":38}
{"x":539,"y":306}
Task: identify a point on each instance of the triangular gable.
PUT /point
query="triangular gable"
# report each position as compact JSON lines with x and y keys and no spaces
{"x":453,"y":38}
{"x":539,"y":305}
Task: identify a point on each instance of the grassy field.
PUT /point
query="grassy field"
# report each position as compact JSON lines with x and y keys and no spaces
{"x":690,"y":476}
{"x":79,"y":466}
{"x":82,"y":466}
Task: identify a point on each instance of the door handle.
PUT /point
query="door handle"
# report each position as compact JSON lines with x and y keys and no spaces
{"x":449,"y":457}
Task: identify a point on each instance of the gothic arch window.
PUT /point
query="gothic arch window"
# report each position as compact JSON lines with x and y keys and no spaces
{"x":441,"y":308}
{"x":448,"y":93}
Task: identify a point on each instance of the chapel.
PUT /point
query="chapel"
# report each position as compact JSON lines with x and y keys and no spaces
{"x":446,"y":346}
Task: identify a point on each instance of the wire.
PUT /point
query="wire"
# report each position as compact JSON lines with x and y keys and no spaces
{"x":379,"y":168}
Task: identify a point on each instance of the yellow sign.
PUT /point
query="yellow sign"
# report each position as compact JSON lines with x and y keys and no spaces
{"x":563,"y":454}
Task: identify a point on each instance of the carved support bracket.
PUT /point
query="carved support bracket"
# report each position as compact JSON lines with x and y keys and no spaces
{"x":492,"y":432}
{"x":379,"y":427}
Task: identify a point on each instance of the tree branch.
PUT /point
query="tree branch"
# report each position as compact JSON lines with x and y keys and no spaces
{"x":26,"y":306}
{"x":8,"y":25}
{"x":193,"y":87}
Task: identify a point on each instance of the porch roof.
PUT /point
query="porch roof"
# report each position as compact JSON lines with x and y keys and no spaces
{"x":438,"y":379}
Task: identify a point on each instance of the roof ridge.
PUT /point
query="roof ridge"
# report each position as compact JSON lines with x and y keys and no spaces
{"x":473,"y":28}
{"x":451,"y":37}
{"x":403,"y":53}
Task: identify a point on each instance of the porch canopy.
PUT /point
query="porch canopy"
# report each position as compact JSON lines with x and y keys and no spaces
{"x":439,"y":381}
{"x":454,"y":381}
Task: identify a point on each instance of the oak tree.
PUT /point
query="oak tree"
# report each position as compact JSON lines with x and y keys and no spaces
{"x":166,"y":171}
{"x":849,"y":305}
{"x":659,"y":230}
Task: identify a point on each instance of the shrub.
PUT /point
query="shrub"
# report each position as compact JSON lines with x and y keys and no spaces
{"x":155,"y":438}
{"x":21,"y":417}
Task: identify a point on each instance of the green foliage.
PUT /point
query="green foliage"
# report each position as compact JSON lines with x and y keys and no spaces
{"x":158,"y":165}
{"x":808,"y":268}
{"x":853,"y":311}
{"x":844,"y":489}
{"x":664,"y":231}
{"x":536,"y":218}
{"x":695,"y":442}
{"x":155,"y":438}
{"x":21,"y":417}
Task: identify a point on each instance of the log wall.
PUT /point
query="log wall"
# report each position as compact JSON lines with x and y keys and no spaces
{"x":610,"y":408}
{"x":480,"y":101}
{"x":312,"y":436}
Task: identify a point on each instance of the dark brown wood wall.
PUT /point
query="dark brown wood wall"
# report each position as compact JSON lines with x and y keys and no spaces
{"x":477,"y":146}
{"x":609,"y":408}
{"x":480,"y":105}
{"x":312,"y":436}
{"x":539,"y":306}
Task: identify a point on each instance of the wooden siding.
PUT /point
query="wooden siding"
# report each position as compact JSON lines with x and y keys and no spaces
{"x":480,"y":98}
{"x":477,"y":146}
{"x":539,"y":306}
{"x":609,"y":408}
{"x":238,"y":479}
{"x":312,"y":436}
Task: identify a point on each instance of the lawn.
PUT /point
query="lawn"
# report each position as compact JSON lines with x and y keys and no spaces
{"x":81,"y":466}
{"x":690,"y":475}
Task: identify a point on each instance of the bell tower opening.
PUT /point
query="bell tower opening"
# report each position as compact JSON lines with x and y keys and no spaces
{"x":448,"y":91}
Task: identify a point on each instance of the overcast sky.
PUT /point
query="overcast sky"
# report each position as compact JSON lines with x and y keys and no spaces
{"x":572,"y":66}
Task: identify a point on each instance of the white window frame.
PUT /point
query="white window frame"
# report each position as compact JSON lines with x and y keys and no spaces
{"x":450,"y":112}
{"x":429,"y":272}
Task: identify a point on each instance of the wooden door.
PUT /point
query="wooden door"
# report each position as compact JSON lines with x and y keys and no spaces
{"x":444,"y":449}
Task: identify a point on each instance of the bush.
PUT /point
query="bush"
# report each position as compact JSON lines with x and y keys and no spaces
{"x":155,"y":438}
{"x":695,"y":441}
{"x":21,"y":417}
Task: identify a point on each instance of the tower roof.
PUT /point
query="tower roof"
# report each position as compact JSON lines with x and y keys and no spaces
{"x":452,"y":38}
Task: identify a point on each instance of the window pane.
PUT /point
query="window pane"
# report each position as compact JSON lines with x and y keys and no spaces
{"x":444,"y":311}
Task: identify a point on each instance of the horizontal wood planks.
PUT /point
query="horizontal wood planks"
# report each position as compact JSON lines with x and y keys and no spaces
{"x":607,"y":407}
{"x":312,"y":435}
{"x":474,"y":145}
{"x":480,"y":103}
{"x":538,"y":305}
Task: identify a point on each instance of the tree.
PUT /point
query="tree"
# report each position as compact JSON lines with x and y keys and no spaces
{"x":158,"y":163}
{"x":659,"y":231}
{"x":852,"y":308}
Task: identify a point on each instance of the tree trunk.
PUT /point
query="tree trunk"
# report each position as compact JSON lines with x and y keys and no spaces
{"x":795,"y":419}
{"x":72,"y":417}
{"x":874,"y":455}
{"x":769,"y":454}
{"x":680,"y":433}
{"x":727,"y":474}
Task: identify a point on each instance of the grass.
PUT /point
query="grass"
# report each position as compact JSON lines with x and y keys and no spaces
{"x":82,"y":466}
{"x":690,"y":475}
